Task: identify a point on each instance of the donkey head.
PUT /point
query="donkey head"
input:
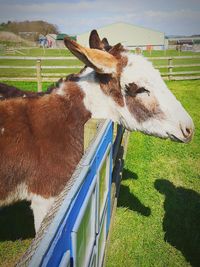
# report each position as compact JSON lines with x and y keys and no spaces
{"x":127,"y":88}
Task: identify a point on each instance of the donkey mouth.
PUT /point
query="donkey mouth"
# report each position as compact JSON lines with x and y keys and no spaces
{"x":177,"y":139}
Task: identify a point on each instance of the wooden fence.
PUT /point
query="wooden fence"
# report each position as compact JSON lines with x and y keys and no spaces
{"x":41,"y":76}
{"x":175,"y":75}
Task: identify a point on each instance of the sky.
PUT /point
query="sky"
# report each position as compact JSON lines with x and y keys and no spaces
{"x":173,"y":17}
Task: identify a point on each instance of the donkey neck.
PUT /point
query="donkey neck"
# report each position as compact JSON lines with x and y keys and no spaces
{"x":74,"y":97}
{"x":100,"y":94}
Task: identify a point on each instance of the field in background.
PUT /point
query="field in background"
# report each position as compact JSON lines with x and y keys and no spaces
{"x":33,"y":52}
{"x":143,"y":214}
{"x":39,"y":52}
{"x":64,"y":52}
{"x":157,"y":218}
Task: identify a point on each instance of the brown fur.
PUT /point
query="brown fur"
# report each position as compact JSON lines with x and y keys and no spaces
{"x":110,"y":84}
{"x":94,"y":58}
{"x":111,"y":87}
{"x":42,"y":141}
{"x":8,"y":91}
{"x":94,"y":41}
{"x":116,"y":50}
{"x":138,"y":109}
{"x":106,"y":44}
{"x":45,"y":134}
{"x":97,"y":43}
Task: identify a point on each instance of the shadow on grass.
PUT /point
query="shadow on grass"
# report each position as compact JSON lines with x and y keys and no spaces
{"x":16,"y":222}
{"x":181,"y":222}
{"x":127,"y":174}
{"x":127,"y":199}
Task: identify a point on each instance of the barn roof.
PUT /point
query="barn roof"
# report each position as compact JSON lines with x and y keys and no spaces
{"x":61,"y":36}
{"x":124,"y":24}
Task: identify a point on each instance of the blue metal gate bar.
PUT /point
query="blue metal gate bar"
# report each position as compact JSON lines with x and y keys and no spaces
{"x":56,"y":246}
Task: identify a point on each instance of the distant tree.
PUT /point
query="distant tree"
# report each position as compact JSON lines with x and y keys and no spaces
{"x":34,"y":27}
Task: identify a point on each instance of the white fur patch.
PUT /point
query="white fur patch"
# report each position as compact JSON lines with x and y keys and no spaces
{"x":2,"y":131}
{"x":61,"y":91}
{"x":100,"y":105}
{"x":141,"y":72}
{"x":19,"y":193}
{"x":40,"y":207}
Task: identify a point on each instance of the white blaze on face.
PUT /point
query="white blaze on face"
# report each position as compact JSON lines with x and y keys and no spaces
{"x":173,"y":121}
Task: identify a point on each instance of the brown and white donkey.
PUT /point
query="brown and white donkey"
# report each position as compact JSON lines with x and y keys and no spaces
{"x":41,"y":139}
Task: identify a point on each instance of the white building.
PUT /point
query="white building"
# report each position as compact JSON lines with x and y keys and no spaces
{"x":129,"y":35}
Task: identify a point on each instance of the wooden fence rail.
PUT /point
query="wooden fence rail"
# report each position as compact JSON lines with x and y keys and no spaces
{"x":40,"y":76}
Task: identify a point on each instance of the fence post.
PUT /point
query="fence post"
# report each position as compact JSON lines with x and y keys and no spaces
{"x":39,"y":76}
{"x":170,"y":67}
{"x":90,"y":130}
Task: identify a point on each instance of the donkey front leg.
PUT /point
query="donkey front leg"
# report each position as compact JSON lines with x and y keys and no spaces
{"x":40,"y":207}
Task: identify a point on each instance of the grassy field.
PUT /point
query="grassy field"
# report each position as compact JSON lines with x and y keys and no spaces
{"x":158,"y":213}
{"x":159,"y":202}
{"x":47,"y":52}
{"x":16,"y":232}
{"x":50,"y":52}
{"x":37,"y":52}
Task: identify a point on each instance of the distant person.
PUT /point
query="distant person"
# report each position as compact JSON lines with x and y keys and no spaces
{"x":50,"y":43}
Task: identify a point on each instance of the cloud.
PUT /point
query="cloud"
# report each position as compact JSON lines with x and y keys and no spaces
{"x":172,"y":16}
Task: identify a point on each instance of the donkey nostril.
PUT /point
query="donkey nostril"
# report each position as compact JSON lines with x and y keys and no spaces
{"x":187,"y":133}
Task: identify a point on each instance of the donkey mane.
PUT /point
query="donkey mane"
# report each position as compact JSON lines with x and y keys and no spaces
{"x":9,"y":91}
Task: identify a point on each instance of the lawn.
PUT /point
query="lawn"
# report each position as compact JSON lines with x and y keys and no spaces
{"x":158,"y":213}
{"x":34,"y":52}
{"x":38,"y":52}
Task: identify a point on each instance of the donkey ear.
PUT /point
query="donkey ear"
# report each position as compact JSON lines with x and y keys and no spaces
{"x":95,"y":41}
{"x":116,"y":49}
{"x":106,"y":44}
{"x":100,"y":61}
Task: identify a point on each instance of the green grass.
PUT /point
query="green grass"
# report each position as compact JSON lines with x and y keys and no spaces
{"x":32,"y":72}
{"x":158,"y":213}
{"x":12,"y":72}
{"x":28,"y":86}
{"x":16,"y":232}
{"x":157,"y":219}
{"x":49,"y":52}
{"x":37,"y":52}
{"x":168,"y":53}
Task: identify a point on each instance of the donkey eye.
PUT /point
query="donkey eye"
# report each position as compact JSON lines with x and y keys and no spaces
{"x":142,"y":90}
{"x":132,"y":90}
